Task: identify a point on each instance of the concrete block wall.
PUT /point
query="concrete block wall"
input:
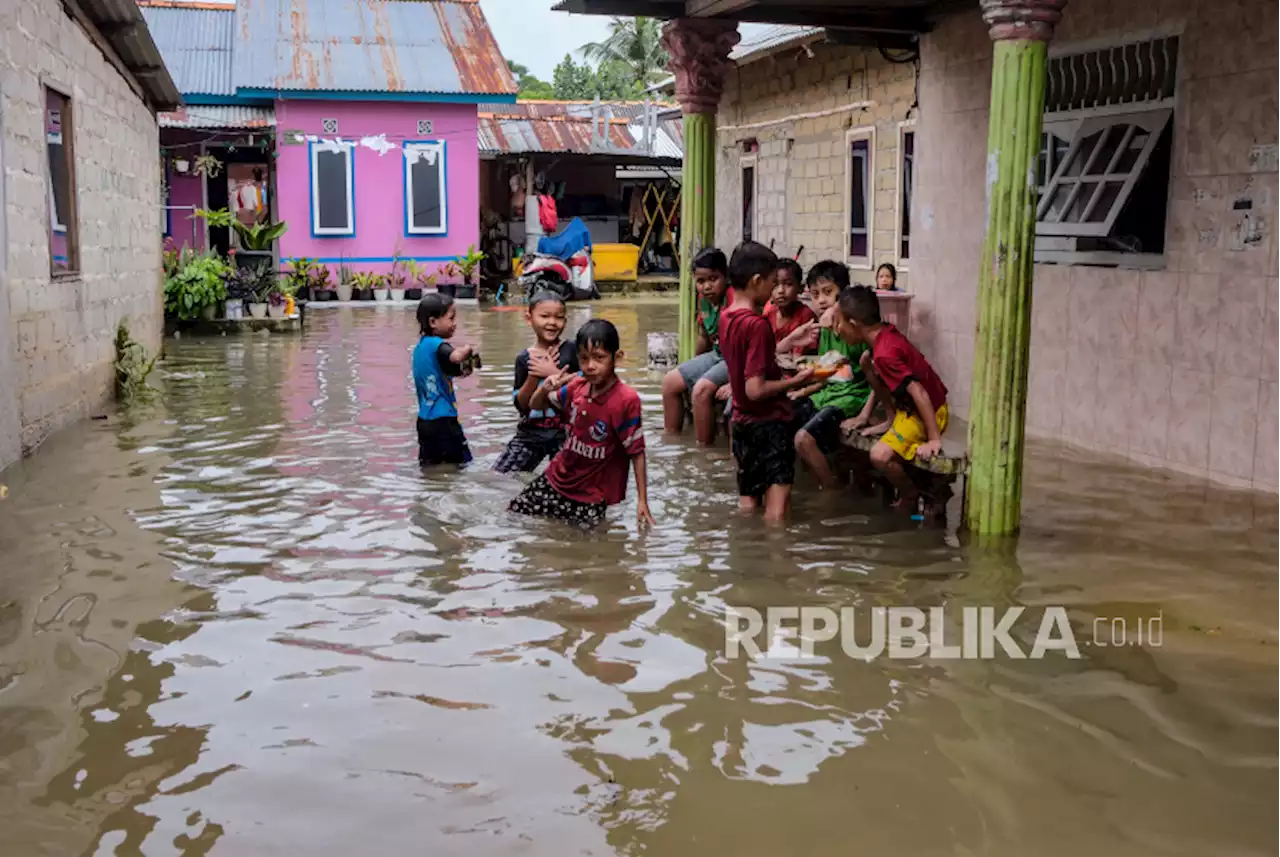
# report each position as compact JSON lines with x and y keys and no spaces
{"x":801,"y":171}
{"x":58,"y":332}
{"x":1175,"y":368}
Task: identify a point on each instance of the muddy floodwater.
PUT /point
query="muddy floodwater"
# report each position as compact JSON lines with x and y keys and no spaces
{"x":242,"y":622}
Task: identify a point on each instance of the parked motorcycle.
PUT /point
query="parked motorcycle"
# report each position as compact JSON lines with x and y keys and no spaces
{"x":572,"y":280}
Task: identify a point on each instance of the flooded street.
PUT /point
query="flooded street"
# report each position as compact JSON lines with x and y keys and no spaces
{"x":242,"y":622}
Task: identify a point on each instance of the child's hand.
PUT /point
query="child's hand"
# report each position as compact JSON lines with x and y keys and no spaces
{"x":542,"y":365}
{"x":643,"y":516}
{"x":828,"y":317}
{"x":462,"y":353}
{"x":804,"y":376}
{"x":805,"y":336}
{"x":556,"y":381}
{"x":928,"y":450}
{"x":723,"y":393}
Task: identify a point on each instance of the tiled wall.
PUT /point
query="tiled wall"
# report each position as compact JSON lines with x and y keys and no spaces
{"x":801,"y":163}
{"x":1174,"y":368}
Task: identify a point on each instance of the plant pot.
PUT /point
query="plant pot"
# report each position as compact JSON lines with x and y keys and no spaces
{"x":465,"y":291}
{"x":447,"y":289}
{"x":413,"y":294}
{"x":362,"y":295}
{"x":258,"y":310}
{"x":253,"y":258}
{"x":379,"y":294}
{"x":209,"y":312}
{"x":344,"y":292}
{"x":304,"y":293}
{"x":235,"y":310}
{"x":323,"y":295}
{"x":396,"y":294}
{"x":276,"y":310}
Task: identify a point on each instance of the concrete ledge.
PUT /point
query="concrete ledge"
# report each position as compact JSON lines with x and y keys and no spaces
{"x":951,"y":462}
{"x":223,"y":326}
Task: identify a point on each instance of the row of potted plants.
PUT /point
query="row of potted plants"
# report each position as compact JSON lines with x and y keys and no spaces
{"x":207,"y":285}
{"x":406,"y":280}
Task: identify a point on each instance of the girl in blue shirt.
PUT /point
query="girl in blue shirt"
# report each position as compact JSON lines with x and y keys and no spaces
{"x":435,"y":364}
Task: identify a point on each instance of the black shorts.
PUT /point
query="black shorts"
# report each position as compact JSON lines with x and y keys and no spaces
{"x":527,"y":450}
{"x":823,"y":425}
{"x":766,"y":456}
{"x":543,"y":501}
{"x":441,"y":441}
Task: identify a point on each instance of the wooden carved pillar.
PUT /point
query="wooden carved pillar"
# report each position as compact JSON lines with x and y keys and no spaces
{"x":699,"y":50}
{"x":1021,"y":30}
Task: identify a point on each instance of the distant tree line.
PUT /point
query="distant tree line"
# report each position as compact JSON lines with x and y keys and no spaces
{"x":619,"y":68}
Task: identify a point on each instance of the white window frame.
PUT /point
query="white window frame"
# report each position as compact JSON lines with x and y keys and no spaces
{"x":54,"y":137}
{"x":332,"y":231}
{"x":1153,"y":122}
{"x":868,"y":133}
{"x":753,"y":161}
{"x":905,"y":127}
{"x":438,"y":146}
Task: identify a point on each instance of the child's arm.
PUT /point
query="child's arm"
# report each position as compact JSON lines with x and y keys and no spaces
{"x":803,"y":336}
{"x":640,"y":466}
{"x":535,"y":370}
{"x":924,"y":408}
{"x":758,"y":388}
{"x":542,"y":397}
{"x":704,"y":343}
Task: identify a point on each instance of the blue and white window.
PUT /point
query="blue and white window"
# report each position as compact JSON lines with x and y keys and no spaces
{"x":426,"y":210}
{"x":333,"y":188}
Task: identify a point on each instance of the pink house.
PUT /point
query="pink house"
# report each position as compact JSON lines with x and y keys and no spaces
{"x":356,"y":124}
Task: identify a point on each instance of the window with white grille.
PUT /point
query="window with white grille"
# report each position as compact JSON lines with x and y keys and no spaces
{"x":1105,"y":154}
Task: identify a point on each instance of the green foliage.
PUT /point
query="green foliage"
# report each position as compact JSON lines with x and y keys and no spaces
{"x":468,"y":262}
{"x":610,"y":81}
{"x":132,"y":367}
{"x":319,"y":277}
{"x":635,"y":43}
{"x":301,"y":272}
{"x":421,"y":274}
{"x":365,"y":280}
{"x":530,"y":85}
{"x":260,"y":236}
{"x":215,"y":217}
{"x":198,"y":280}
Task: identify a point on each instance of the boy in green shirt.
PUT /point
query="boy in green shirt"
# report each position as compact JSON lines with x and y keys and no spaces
{"x":824,"y":405}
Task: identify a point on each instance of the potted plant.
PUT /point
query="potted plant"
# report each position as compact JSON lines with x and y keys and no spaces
{"x":196,"y":285}
{"x":364,"y":282}
{"x":181,"y":165}
{"x":321,"y":288}
{"x":255,"y":241}
{"x":345,"y":286}
{"x":396,"y":281}
{"x":422,"y":278}
{"x":299,"y":277}
{"x":264,"y":283}
{"x":379,"y":286}
{"x":240,"y":286}
{"x":468,"y":266}
{"x":445,"y":284}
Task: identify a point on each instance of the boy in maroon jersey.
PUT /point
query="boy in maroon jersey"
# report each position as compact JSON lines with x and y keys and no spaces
{"x":602,"y":416}
{"x":902,"y":376}
{"x":762,"y":431}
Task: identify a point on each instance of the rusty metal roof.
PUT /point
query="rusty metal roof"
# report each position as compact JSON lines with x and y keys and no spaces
{"x":412,"y":46}
{"x":566,"y":128}
{"x":196,"y":44}
{"x":539,"y":109}
{"x":219,"y":116}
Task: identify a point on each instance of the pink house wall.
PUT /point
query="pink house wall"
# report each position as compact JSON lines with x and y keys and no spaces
{"x":185,"y":191}
{"x":378,"y":181}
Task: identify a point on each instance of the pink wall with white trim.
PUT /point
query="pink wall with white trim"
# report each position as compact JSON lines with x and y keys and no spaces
{"x":378,"y":181}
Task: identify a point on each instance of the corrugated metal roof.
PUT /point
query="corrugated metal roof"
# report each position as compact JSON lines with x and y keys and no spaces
{"x":426,"y":46}
{"x":773,"y":39}
{"x":577,"y":109}
{"x":564,"y":135}
{"x":196,"y":44}
{"x":219,"y":117}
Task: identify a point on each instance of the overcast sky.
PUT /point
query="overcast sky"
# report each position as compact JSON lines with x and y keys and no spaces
{"x":534,"y":36}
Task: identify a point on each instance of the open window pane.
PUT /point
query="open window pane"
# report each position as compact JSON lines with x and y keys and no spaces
{"x":425,"y":188}
{"x":332,"y":211}
{"x":907,"y":177}
{"x":63,"y":248}
{"x":1098,"y":174}
{"x":859,"y":202}
{"x":748,"y":203}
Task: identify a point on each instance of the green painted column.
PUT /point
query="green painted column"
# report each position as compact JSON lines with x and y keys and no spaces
{"x":1021,"y":30}
{"x":699,"y":51}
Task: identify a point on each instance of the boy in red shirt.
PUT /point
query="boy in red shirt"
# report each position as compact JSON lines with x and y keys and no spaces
{"x":902,"y":376}
{"x":762,"y":433}
{"x":786,"y":312}
{"x":602,"y":416}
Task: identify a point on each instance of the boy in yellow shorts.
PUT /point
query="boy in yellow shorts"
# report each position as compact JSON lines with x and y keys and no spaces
{"x":902,"y":376}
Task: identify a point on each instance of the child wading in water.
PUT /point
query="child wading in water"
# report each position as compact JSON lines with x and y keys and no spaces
{"x":824,"y":405}
{"x":435,"y":364}
{"x":706,"y":373}
{"x":541,"y":432}
{"x":604,"y":433}
{"x":904,"y":377}
{"x":762,"y":413}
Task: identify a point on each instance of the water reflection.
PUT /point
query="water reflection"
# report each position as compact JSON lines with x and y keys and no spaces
{"x":245,"y":623}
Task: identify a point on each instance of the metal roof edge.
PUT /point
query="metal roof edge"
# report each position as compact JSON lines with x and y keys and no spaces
{"x":133,"y":48}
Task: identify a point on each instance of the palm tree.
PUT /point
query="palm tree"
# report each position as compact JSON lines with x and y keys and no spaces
{"x":635,"y":43}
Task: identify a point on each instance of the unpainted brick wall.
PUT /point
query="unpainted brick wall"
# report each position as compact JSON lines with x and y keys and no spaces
{"x":59,"y":331}
{"x":802,"y":164}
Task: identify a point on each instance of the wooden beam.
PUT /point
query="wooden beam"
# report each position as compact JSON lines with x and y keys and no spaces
{"x":717,"y":8}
